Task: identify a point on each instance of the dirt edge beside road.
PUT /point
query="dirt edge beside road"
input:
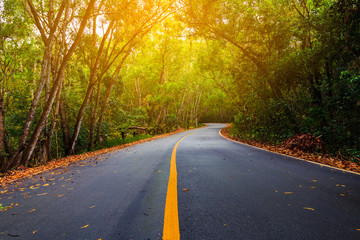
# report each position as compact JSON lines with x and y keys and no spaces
{"x":325,"y":160}
{"x":22,"y":172}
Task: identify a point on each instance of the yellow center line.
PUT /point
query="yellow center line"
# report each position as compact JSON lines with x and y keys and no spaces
{"x":171,"y":220}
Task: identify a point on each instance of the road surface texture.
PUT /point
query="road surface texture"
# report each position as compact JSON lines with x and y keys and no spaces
{"x":226,"y":190}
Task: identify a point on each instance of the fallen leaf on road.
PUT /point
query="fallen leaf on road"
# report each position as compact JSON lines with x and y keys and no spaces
{"x":307,"y":208}
{"x":92,"y":206}
{"x":288,"y":192}
{"x":300,"y":186}
{"x":33,"y":187}
{"x":31,"y":210}
{"x":314,"y":180}
{"x":185,"y":189}
{"x":357,"y":229}
{"x":46,"y":184}
{"x":42,"y":194}
{"x":35,"y":231}
{"x":60,"y":195}
{"x":85,"y":226}
{"x":3,"y":208}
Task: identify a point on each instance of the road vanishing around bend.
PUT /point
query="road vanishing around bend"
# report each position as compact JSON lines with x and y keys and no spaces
{"x":225,"y":190}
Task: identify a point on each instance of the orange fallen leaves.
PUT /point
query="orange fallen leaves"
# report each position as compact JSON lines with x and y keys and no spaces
{"x":308,"y":208}
{"x":185,"y":189}
{"x":85,"y":226}
{"x":323,"y":159}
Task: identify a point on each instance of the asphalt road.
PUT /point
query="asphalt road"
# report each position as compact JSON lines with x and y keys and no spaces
{"x":233,"y":191}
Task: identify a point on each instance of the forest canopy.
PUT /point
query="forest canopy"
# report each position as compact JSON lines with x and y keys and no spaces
{"x":78,"y":75}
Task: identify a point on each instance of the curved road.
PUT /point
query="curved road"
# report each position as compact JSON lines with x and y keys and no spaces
{"x":226,"y":190}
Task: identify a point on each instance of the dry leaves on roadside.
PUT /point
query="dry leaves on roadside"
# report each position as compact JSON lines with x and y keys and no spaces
{"x":23,"y":172}
{"x":310,"y":143}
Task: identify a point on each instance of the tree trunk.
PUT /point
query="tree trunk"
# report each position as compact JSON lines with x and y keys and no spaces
{"x":56,"y":85}
{"x":93,"y":107}
{"x":16,"y":158}
{"x":80,"y":118}
{"x":89,"y":89}
{"x":93,"y":112}
{"x":65,"y":127}
{"x":102,"y":110}
{"x":52,"y":126}
{"x":2,"y":131}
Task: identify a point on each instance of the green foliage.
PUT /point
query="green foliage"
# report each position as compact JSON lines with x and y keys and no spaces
{"x":294,"y":66}
{"x":275,"y":68}
{"x":116,"y":141}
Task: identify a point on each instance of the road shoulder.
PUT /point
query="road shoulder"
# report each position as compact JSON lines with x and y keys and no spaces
{"x":321,"y":160}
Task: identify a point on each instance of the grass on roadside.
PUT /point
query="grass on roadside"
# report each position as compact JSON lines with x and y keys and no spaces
{"x":119,"y":141}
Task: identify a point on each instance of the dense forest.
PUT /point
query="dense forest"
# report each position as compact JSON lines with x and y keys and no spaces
{"x":80,"y":75}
